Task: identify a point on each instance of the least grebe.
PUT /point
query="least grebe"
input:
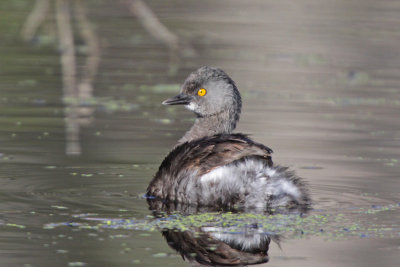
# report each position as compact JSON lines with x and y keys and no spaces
{"x":211,"y":166}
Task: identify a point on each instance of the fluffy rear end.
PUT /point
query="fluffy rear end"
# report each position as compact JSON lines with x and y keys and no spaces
{"x":251,"y":183}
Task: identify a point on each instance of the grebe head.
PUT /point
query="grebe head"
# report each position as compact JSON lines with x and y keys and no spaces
{"x":209,"y":91}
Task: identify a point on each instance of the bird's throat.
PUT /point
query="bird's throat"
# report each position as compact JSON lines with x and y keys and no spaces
{"x":219,"y":123}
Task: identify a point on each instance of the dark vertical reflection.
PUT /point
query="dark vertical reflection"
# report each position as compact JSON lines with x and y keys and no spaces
{"x":76,"y":92}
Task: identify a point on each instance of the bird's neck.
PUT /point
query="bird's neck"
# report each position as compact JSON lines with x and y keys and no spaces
{"x":219,"y":123}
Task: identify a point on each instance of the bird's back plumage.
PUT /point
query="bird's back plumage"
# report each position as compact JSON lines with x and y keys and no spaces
{"x":225,"y":170}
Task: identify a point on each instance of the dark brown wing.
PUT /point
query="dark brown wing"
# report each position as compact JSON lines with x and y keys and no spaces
{"x":222,"y":150}
{"x":202,"y":156}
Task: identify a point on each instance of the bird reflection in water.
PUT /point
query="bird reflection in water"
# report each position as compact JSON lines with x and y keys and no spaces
{"x":215,"y":243}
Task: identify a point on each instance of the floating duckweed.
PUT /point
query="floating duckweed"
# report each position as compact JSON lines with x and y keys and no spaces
{"x":391,"y":164}
{"x":59,"y":207}
{"x":16,"y":225}
{"x":163,"y":121}
{"x":161,"y":88}
{"x":108,"y":104}
{"x":160,"y":255}
{"x":76,"y":264}
{"x":27,"y":83}
{"x":50,"y":167}
{"x":293,"y":225}
{"x":128,"y":87}
{"x":359,"y":78}
{"x":312,"y":59}
{"x":145,"y":234}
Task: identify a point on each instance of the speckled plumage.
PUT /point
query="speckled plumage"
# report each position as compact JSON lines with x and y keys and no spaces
{"x":210,"y":166}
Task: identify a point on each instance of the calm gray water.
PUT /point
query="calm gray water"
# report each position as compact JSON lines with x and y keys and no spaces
{"x":320,"y":82}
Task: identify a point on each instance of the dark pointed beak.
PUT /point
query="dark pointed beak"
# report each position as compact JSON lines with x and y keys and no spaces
{"x":180,"y":99}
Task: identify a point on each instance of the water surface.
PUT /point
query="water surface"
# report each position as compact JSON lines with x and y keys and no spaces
{"x":320,"y":85}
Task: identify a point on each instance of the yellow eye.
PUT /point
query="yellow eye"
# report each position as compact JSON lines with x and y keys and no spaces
{"x":202,"y":92}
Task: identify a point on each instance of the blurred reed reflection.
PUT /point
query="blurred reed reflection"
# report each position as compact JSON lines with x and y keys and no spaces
{"x":78,"y":78}
{"x":160,"y":32}
{"x":77,"y":85}
{"x":76,"y":92}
